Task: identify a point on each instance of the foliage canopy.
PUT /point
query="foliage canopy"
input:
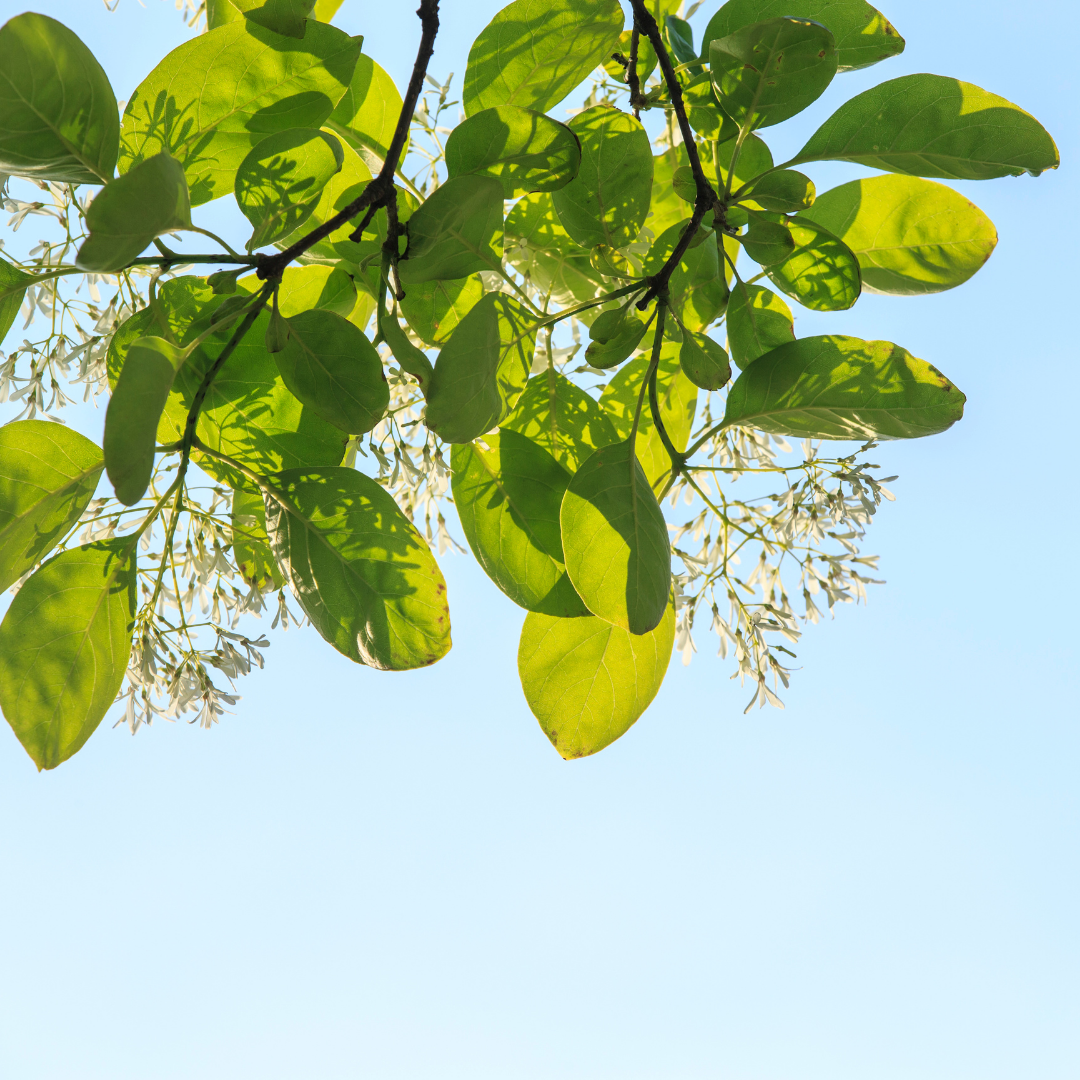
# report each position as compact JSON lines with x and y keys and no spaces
{"x":400,"y":329}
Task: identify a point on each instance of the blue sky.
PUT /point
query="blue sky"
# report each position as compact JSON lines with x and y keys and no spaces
{"x":394,"y":876}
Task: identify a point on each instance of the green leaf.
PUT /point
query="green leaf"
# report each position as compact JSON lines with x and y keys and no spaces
{"x":910,"y":236}
{"x":523,"y":150}
{"x":58,"y":114}
{"x":929,"y":125}
{"x":704,"y":362}
{"x":754,"y":159}
{"x":608,"y":200}
{"x":758,"y":321}
{"x":251,"y":545}
{"x":333,"y":368}
{"x":134,"y":412}
{"x":704,"y":112}
{"x":410,"y":359}
{"x":482,"y":370}
{"x":280,"y":182}
{"x":611,"y":353}
{"x":587,"y":681}
{"x":767,"y":242}
{"x":822,"y":273}
{"x":64,"y":648}
{"x":615,"y":540}
{"x":666,"y":206}
{"x":287,"y":17}
{"x":538,"y":245}
{"x":367,"y":114}
{"x":508,"y":491}
{"x":249,"y":413}
{"x":785,"y":191}
{"x":863,"y":35}
{"x":131,"y":211}
{"x":456,"y":232}
{"x":13,"y":285}
{"x":325,"y":10}
{"x":533,"y":55}
{"x":362,"y":573}
{"x":563,"y":419}
{"x":677,"y":397}
{"x":769,"y":71}
{"x":216,"y":96}
{"x":837,"y":387}
{"x":680,"y":39}
{"x":48,"y":474}
{"x":434,"y":308}
{"x":314,"y":286}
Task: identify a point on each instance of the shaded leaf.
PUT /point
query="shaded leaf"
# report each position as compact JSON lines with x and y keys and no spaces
{"x":758,"y":321}
{"x":279,"y":183}
{"x":930,"y":125}
{"x":533,"y":55}
{"x":132,"y":210}
{"x":704,"y":362}
{"x":134,"y":412}
{"x":563,"y":419}
{"x":410,"y":359}
{"x":48,"y":474}
{"x":456,"y":232}
{"x":357,"y":566}
{"x":785,"y":191}
{"x":863,"y":35}
{"x":697,"y":290}
{"x":508,"y":491}
{"x":522,"y":149}
{"x":769,"y":71}
{"x":611,"y":353}
{"x":58,"y":114}
{"x":482,"y":370}
{"x":910,"y":236}
{"x":837,"y":387}
{"x":64,"y":647}
{"x":615,"y":540}
{"x":251,"y":545}
{"x":282,"y":16}
{"x":332,"y":367}
{"x":587,"y":681}
{"x":608,"y":200}
{"x":821,"y":273}
{"x":13,"y":285}
{"x":262,"y":83}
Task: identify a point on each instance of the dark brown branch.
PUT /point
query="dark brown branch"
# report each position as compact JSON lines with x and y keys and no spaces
{"x":632,"y":79}
{"x":379,"y":192}
{"x":707,"y":198}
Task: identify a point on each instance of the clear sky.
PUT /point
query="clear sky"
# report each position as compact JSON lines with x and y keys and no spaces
{"x":368,"y":875}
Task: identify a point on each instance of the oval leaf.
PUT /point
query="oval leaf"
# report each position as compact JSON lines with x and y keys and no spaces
{"x":704,"y":362}
{"x":508,"y":491}
{"x":58,"y":114}
{"x":135,"y":408}
{"x":457,"y":232}
{"x":215,"y":97}
{"x":930,"y":125}
{"x":330,"y":365}
{"x":280,"y":182}
{"x":48,"y":474}
{"x":367,"y":114}
{"x":587,"y":681}
{"x":434,"y":308}
{"x":769,"y":71}
{"x":837,"y":387}
{"x":532,"y":55}
{"x":362,"y":573}
{"x":910,"y":236}
{"x":482,"y":370}
{"x":132,"y":210}
{"x":64,"y":648}
{"x":522,"y":149}
{"x":758,"y":321}
{"x":410,"y":359}
{"x":822,"y":272}
{"x":615,"y":540}
{"x":608,"y":200}
{"x":863,"y":35}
